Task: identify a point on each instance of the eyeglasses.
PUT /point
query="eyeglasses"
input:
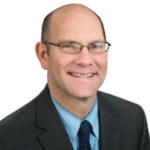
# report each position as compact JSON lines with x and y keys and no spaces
{"x":72,"y":48}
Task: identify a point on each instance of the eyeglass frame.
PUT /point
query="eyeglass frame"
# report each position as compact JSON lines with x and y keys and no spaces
{"x":79,"y":44}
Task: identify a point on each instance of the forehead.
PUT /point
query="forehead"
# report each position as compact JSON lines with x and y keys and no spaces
{"x":78,"y":23}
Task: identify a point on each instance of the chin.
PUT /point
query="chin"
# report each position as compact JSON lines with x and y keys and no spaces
{"x":85,"y":94}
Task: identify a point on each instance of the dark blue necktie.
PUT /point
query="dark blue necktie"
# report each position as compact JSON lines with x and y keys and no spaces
{"x":84,"y":136}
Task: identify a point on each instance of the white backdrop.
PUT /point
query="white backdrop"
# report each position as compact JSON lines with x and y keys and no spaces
{"x":127,"y":25}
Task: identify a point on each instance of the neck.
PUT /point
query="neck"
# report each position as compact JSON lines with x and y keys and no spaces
{"x":80,"y":107}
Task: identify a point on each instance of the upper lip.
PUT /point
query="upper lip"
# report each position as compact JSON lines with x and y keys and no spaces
{"x":82,"y":73}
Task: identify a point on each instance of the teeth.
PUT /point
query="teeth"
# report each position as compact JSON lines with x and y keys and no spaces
{"x":83,"y":76}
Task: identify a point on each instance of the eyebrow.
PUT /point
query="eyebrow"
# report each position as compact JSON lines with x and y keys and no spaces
{"x":73,"y":41}
{"x":67,"y":41}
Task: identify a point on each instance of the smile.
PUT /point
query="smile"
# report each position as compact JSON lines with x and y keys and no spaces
{"x":81,"y":75}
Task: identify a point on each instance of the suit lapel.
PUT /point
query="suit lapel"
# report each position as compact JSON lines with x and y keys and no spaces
{"x":110,"y":126}
{"x":54,"y":133}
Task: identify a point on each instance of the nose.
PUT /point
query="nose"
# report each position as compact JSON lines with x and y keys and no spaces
{"x":84,"y":57}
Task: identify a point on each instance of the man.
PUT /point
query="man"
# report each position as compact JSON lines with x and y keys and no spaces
{"x":70,"y":113}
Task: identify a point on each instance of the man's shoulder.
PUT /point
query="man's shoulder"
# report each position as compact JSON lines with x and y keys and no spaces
{"x":26,"y":112}
{"x":122,"y":107}
{"x":21,"y":125}
{"x":19,"y":115}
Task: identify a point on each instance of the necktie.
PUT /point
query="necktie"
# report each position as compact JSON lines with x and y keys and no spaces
{"x":84,"y":136}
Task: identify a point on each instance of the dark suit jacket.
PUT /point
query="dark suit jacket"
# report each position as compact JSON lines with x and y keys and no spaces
{"x":37,"y":126}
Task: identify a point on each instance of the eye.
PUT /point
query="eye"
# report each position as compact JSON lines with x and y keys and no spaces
{"x":96,"y":45}
{"x":67,"y":46}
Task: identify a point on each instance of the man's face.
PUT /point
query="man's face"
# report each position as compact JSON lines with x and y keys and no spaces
{"x":84,"y":29}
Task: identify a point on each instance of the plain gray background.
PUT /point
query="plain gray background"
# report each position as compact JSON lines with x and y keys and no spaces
{"x":127,"y":26}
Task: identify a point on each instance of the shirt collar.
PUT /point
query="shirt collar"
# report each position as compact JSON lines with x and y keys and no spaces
{"x":72,"y":123}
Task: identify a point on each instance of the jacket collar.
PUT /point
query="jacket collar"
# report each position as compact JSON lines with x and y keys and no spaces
{"x":55,"y":135}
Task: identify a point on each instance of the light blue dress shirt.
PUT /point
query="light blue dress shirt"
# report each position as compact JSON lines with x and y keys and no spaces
{"x":72,"y":124}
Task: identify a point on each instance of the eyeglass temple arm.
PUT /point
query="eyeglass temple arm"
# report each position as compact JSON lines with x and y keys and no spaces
{"x":108,"y":43}
{"x":51,"y":43}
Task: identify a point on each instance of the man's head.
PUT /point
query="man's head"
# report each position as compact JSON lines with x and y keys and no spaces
{"x":73,"y":23}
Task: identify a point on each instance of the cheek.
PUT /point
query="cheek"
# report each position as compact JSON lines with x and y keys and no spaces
{"x":60,"y":62}
{"x":102,"y":62}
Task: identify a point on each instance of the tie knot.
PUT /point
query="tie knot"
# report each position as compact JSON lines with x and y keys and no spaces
{"x":85,"y":127}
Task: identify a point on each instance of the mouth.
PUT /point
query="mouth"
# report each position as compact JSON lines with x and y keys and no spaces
{"x":88,"y":75}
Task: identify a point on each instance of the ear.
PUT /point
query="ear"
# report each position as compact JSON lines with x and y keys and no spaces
{"x":41,"y":54}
